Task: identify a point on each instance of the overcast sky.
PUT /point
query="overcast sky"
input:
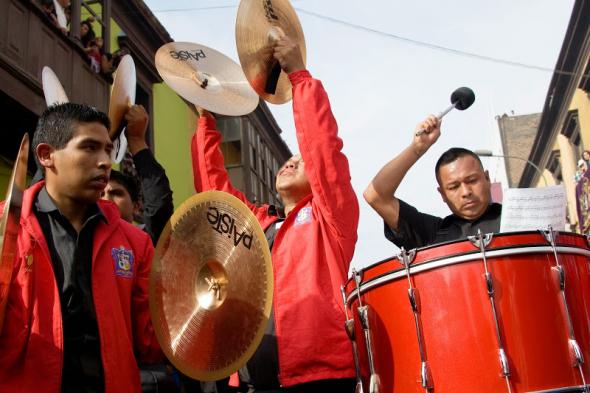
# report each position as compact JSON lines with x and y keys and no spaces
{"x":385,"y":67}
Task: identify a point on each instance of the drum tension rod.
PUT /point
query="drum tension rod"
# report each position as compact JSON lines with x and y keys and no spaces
{"x":576,"y":356}
{"x":363,"y":312}
{"x":482,"y":241}
{"x":406,"y":258}
{"x":350,"y":331}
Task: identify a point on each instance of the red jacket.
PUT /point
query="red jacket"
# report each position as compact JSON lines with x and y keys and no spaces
{"x":31,"y":342}
{"x":314,"y":246}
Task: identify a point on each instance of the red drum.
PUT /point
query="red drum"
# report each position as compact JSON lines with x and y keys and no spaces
{"x":529,"y":336}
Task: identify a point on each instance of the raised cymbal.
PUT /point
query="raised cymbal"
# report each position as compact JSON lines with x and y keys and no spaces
{"x":206,"y":78}
{"x":211,"y":286}
{"x":52,"y":89}
{"x":122,"y":94}
{"x":258,"y":24}
{"x":10,"y":222}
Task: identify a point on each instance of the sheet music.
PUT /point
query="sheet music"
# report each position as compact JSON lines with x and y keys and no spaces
{"x":525,"y":209}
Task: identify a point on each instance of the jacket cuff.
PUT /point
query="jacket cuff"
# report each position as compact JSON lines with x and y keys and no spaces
{"x":207,"y":121}
{"x":299,"y":76}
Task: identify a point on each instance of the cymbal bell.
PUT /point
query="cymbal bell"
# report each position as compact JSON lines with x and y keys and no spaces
{"x":258,"y":25}
{"x":122,"y":94}
{"x":52,"y":89}
{"x":10,"y":222}
{"x":206,"y":78}
{"x":211,"y":286}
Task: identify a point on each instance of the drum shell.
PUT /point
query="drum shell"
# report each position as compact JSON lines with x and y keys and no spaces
{"x":456,"y":321}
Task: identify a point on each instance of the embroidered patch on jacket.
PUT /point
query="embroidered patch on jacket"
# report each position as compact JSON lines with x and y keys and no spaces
{"x":123,"y":260}
{"x":303,"y":216}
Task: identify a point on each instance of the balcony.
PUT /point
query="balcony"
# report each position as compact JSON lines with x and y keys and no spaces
{"x":28,"y":42}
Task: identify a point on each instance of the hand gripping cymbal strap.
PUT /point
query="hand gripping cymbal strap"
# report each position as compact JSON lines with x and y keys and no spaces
{"x":363,"y":311}
{"x":481,"y":241}
{"x":576,"y":356}
{"x":406,"y":258}
{"x":350,"y":331}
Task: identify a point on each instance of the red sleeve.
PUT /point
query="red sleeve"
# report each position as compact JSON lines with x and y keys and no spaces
{"x":326,"y":166}
{"x":146,"y":345}
{"x":209,"y":170}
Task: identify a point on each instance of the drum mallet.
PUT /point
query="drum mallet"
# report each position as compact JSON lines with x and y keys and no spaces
{"x":462,"y":98}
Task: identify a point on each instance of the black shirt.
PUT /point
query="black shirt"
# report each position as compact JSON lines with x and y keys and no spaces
{"x":416,"y":229}
{"x":157,"y":195}
{"x":71,"y":257}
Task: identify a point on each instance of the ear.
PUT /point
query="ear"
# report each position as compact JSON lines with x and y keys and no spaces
{"x":442,"y":194}
{"x":136,"y":208}
{"x":44,"y":154}
{"x":487,"y":174}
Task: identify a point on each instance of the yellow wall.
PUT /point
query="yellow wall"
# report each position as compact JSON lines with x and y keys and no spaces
{"x":581,"y":102}
{"x":174,"y":124}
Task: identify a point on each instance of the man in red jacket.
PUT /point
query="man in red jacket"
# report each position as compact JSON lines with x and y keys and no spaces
{"x":77,"y":317}
{"x":305,"y":347}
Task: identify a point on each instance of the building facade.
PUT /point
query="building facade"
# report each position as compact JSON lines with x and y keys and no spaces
{"x":29,"y":41}
{"x":554,"y":148}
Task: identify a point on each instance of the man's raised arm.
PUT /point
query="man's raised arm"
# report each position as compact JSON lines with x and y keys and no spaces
{"x":380,"y":193}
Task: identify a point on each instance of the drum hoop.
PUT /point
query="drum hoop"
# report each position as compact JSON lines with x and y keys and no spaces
{"x":425,"y":266}
{"x":569,"y":389}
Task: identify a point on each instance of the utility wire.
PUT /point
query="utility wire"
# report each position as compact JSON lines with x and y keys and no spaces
{"x":411,"y":41}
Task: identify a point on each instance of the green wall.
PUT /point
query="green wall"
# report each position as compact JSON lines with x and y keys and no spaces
{"x":174,"y":124}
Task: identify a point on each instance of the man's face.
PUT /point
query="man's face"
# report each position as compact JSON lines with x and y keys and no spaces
{"x":80,"y":170}
{"x":465,"y":187}
{"x":117,"y":193}
{"x":291,"y":177}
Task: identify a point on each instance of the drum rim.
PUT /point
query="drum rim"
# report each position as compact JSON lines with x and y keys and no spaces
{"x":496,"y":235}
{"x":566,"y":389}
{"x":400,"y":273}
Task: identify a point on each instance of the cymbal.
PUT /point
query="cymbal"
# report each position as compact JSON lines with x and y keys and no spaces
{"x":211,"y":286}
{"x":10,"y":222}
{"x":258,"y":25}
{"x":52,"y":88}
{"x":122,"y":94}
{"x":206,"y":78}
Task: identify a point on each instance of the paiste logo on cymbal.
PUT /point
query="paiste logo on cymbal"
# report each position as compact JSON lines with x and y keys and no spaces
{"x":185,"y":55}
{"x":225,"y":224}
{"x":269,"y":11}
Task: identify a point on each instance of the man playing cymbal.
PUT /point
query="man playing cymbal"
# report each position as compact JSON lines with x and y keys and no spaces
{"x":462,"y":182}
{"x":305,"y":347}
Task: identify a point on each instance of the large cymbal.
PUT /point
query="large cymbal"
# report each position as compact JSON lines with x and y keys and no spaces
{"x":52,"y":88}
{"x":258,"y":24}
{"x":10,"y":222}
{"x":211,"y":286}
{"x":206,"y":78}
{"x":122,"y":94}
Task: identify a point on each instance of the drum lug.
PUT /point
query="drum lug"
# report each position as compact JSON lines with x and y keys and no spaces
{"x":414,"y":297}
{"x":559,"y":276}
{"x":374,"y":384}
{"x":575,"y":353}
{"x":349,"y":326}
{"x":359,"y":388}
{"x":489,"y":284}
{"x":504,"y":363}
{"x":426,"y":376}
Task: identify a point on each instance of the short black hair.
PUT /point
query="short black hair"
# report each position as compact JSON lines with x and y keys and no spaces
{"x":57,"y":124}
{"x":451,"y":155}
{"x":129,"y":182}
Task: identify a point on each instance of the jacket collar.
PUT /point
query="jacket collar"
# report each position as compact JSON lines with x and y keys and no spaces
{"x":30,"y":223}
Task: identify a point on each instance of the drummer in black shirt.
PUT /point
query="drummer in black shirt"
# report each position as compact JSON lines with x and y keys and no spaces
{"x":462,"y":182}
